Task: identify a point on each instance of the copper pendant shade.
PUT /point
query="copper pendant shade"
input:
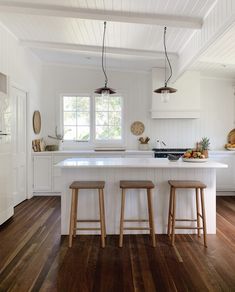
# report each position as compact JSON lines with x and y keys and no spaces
{"x":166,"y":89}
{"x":104,"y":90}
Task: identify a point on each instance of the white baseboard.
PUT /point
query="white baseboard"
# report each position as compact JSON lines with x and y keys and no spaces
{"x":6,"y":214}
{"x":225,"y":193}
{"x":46,"y":194}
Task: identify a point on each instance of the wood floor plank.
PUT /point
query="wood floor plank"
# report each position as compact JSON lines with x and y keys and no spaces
{"x":34,"y":257}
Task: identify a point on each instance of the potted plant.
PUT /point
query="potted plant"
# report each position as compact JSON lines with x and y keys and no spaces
{"x":144,"y":143}
{"x":205,"y":144}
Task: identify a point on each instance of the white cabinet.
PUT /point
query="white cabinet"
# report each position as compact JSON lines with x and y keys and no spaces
{"x":47,"y":177}
{"x":225,"y":178}
{"x":42,"y":173}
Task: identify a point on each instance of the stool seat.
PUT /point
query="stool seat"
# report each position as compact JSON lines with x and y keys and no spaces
{"x":187,"y":184}
{"x":136,"y":184}
{"x":87,"y":185}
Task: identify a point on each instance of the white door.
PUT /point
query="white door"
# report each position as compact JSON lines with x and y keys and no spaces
{"x":6,"y":197}
{"x":19,"y":99}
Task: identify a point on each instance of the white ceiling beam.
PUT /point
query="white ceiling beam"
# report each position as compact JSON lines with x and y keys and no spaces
{"x":94,"y":49}
{"x":115,"y":16}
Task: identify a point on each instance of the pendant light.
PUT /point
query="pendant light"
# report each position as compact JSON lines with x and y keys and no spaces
{"x":166,"y":90}
{"x":104,"y":91}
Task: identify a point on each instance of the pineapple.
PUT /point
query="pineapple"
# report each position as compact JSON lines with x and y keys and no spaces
{"x":205,"y":143}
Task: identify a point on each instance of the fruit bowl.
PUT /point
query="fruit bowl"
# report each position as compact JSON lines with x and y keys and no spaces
{"x":192,"y":155}
{"x":194,"y":159}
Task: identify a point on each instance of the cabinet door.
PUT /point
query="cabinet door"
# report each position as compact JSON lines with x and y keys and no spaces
{"x":42,"y":173}
{"x":225,"y":177}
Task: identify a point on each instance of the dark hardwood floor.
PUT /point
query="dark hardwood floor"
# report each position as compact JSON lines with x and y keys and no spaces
{"x":33,"y":256}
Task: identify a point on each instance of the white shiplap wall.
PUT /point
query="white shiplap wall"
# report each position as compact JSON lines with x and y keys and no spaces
{"x":217,"y":105}
{"x":23,"y":70}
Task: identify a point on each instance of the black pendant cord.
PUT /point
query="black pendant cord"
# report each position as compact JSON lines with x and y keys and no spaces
{"x":103,"y":55}
{"x":166,"y":81}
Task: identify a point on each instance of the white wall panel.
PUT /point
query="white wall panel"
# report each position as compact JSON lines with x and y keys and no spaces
{"x":217,"y":105}
{"x":24,"y":71}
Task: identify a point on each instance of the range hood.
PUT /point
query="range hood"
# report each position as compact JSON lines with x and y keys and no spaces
{"x":184,"y":104}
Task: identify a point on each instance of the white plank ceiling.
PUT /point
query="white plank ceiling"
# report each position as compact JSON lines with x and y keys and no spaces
{"x":219,"y":58}
{"x":89,"y":32}
{"x":55,"y":30}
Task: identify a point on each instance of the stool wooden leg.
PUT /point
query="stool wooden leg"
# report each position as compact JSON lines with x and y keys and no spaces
{"x":173,"y":217}
{"x":122,"y":218}
{"x":71,"y":227}
{"x":101,"y":219}
{"x":169,"y":214}
{"x":151,"y":217}
{"x":102,"y":191}
{"x":198,"y":212}
{"x":203,"y":217}
{"x":75,"y":213}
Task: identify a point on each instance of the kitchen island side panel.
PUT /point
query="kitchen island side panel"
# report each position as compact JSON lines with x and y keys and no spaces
{"x":136,"y":203}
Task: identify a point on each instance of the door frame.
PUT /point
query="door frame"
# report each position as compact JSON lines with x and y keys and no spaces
{"x":15,"y":85}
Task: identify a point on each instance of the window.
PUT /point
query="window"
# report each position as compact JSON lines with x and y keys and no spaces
{"x":92,"y":119}
{"x":108,"y":118}
{"x":76,"y":118}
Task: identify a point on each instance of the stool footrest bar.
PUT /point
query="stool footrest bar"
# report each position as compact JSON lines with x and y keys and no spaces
{"x":88,"y":228}
{"x":136,"y":228}
{"x":135,"y":220}
{"x":187,"y":220}
{"x":186,"y":227}
{"x":84,"y":221}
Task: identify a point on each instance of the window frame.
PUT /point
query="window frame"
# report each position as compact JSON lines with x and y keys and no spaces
{"x":92,"y":142}
{"x":110,"y":142}
{"x":73,"y":143}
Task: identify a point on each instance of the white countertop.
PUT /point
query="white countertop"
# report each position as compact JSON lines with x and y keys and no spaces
{"x":69,"y":152}
{"x":94,"y":152}
{"x":134,"y":163}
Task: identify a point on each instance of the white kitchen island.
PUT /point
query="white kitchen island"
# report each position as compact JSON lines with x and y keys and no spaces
{"x":112,"y":170}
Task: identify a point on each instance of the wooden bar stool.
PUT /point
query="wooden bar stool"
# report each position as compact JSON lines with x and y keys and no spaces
{"x":89,"y":185}
{"x":131,"y":184}
{"x":186,"y":184}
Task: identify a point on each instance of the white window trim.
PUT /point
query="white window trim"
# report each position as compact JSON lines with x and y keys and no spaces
{"x":70,"y":144}
{"x":92,"y":143}
{"x":111,"y":143}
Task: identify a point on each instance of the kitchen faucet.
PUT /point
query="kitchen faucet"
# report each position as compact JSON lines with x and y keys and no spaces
{"x":160,"y":144}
